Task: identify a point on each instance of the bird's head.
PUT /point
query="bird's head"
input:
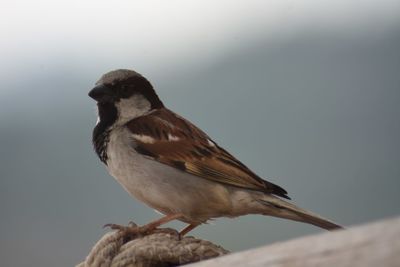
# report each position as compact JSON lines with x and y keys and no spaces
{"x":126,"y":93}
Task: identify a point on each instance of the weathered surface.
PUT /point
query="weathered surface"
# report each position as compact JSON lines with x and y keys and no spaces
{"x":158,"y":249}
{"x":371,"y":245}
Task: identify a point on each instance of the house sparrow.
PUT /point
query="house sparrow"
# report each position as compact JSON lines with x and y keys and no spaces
{"x":171,"y":165}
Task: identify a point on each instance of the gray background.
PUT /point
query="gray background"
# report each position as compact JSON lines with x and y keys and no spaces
{"x":305,"y":93}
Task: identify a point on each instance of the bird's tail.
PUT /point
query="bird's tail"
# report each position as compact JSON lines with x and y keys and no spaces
{"x":277,"y":207}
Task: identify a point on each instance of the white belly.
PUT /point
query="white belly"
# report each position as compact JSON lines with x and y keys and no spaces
{"x":162,"y":187}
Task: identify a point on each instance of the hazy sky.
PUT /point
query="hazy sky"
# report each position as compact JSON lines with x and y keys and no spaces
{"x":305,"y":93}
{"x":171,"y":33}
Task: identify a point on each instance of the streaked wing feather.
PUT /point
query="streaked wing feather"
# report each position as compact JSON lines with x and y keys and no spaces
{"x":179,"y":144}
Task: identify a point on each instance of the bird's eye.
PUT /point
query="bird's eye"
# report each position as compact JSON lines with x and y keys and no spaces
{"x":124,"y":91}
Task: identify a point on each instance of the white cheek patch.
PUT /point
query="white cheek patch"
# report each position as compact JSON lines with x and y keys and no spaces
{"x":144,"y":138}
{"x":131,"y":108}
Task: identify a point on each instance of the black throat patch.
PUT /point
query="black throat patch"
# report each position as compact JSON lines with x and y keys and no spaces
{"x":101,"y":133}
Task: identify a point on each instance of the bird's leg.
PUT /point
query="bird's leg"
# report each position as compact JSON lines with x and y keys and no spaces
{"x":153,"y":225}
{"x":187,"y":229}
{"x":133,"y":229}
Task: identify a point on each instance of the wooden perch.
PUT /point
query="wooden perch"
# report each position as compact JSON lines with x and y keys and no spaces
{"x":371,"y":245}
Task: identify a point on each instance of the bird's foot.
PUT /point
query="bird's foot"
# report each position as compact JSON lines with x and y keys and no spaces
{"x":120,"y":227}
{"x":132,"y":230}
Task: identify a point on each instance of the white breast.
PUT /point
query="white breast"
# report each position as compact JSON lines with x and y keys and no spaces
{"x":162,"y":187}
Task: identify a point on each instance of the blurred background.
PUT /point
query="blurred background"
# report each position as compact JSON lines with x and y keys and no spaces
{"x":306,"y":93}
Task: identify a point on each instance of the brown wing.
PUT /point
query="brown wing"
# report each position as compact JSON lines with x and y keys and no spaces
{"x":174,"y":141}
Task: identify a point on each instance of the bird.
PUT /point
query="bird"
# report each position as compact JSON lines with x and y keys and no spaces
{"x":166,"y":162}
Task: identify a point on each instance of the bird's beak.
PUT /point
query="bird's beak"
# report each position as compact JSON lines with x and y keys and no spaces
{"x":101,"y":93}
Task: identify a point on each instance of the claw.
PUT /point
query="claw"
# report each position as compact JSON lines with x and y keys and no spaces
{"x":114,"y":226}
{"x":132,"y":224}
{"x":107,"y":225}
{"x":133,"y":229}
{"x":130,"y":229}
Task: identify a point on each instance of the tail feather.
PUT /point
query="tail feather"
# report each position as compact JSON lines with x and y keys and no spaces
{"x":279,"y":208}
